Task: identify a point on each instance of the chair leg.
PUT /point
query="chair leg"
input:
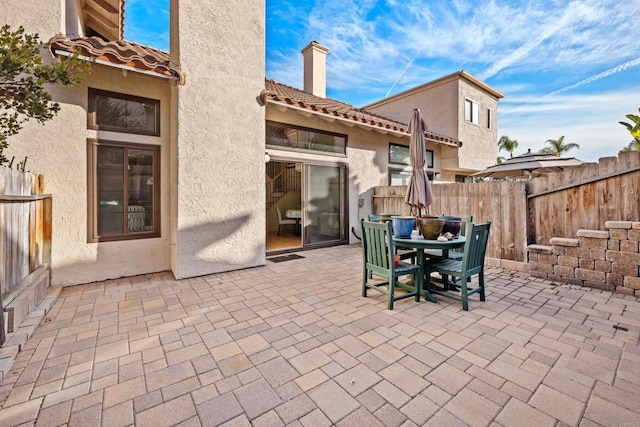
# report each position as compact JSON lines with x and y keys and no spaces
{"x":465,"y":295}
{"x":365,"y":274}
{"x":417,"y":279}
{"x":481,"y":284}
{"x":392,"y":289}
{"x":278,"y":230}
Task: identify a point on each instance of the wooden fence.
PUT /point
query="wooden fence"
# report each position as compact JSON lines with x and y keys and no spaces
{"x":25,"y":233}
{"x":501,"y":202}
{"x":527,"y":212}
{"x":560,"y":204}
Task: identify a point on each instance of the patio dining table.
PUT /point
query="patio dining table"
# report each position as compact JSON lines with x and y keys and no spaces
{"x":416,"y":241}
{"x":297,"y":215}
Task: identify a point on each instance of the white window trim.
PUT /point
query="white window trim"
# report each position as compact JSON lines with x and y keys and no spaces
{"x":474,"y":114}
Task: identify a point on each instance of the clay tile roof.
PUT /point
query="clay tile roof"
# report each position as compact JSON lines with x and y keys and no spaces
{"x":287,"y":95}
{"x":125,"y":53}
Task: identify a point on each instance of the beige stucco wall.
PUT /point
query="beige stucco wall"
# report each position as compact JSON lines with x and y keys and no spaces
{"x":438,"y":104}
{"x":219,"y":204}
{"x":367,"y":157}
{"x":480,"y":145}
{"x":58,"y":150}
{"x":44,"y":17}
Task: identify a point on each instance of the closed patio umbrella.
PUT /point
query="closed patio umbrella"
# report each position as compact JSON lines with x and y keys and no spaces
{"x":419,"y":194}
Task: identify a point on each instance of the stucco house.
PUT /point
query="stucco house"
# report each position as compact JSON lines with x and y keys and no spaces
{"x":177,"y":161}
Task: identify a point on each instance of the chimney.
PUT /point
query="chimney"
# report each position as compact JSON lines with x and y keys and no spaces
{"x":315,"y":69}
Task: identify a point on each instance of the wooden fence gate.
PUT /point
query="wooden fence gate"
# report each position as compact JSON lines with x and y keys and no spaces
{"x":25,"y":236}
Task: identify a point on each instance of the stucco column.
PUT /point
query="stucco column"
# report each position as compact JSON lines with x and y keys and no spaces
{"x":218,"y":175}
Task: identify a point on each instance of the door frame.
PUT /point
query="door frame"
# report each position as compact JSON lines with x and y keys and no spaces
{"x":344,"y":200}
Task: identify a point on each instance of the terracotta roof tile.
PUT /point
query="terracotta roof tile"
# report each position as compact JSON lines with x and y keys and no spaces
{"x":134,"y":55}
{"x":287,"y":95}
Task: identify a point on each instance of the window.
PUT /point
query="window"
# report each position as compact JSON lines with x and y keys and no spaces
{"x":399,"y":154}
{"x":471,"y":111}
{"x":402,"y":177}
{"x":306,"y":139}
{"x":123,"y":190}
{"x":399,"y":177}
{"x":489,"y":118}
{"x":123,"y":113}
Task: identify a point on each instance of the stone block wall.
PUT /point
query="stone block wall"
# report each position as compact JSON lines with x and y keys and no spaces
{"x":608,"y":260}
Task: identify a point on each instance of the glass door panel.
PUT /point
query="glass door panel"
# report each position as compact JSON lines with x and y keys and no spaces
{"x":324,"y":207}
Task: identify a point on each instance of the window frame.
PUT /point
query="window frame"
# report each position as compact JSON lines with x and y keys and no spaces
{"x":489,"y":119}
{"x":428,"y":156}
{"x":406,"y":171}
{"x":92,"y":192}
{"x":92,"y":113}
{"x":474,"y":111}
{"x":342,"y":153}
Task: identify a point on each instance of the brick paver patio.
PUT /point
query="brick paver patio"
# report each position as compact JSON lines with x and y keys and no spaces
{"x":294,"y":343}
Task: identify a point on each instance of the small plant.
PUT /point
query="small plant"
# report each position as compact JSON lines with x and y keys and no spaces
{"x":23,"y":75}
{"x":634,"y":130}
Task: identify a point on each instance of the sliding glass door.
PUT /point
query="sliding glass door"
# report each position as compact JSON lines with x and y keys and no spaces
{"x":324,"y":206}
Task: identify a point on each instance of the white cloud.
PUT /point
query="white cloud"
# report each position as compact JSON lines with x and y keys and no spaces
{"x":588,"y":120}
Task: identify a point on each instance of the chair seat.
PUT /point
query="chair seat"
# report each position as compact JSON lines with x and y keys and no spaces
{"x":406,"y":268}
{"x":447,"y":266}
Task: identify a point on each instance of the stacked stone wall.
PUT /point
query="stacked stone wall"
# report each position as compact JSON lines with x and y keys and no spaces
{"x":608,"y":259}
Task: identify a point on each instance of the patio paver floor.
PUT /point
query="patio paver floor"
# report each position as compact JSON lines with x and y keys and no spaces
{"x":294,"y":343}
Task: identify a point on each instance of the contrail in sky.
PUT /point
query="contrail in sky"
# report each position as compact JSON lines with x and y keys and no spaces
{"x":602,"y":75}
{"x":404,"y":70}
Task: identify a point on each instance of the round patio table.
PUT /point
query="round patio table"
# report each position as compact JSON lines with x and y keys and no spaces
{"x":416,"y":241}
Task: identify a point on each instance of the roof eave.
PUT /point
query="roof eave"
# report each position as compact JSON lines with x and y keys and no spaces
{"x":116,"y":65}
{"x":351,"y":123}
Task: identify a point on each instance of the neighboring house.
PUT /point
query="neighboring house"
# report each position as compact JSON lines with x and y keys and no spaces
{"x":177,"y":161}
{"x":458,"y":105}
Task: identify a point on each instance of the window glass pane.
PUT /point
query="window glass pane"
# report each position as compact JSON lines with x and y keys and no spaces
{"x":126,"y":114}
{"x":399,"y":154}
{"x":397,"y":177}
{"x":471,"y":111}
{"x":110,"y":185}
{"x":126,"y":180}
{"x":429,"y":159}
{"x":123,"y":113}
{"x":305,"y":139}
{"x":140,"y":180}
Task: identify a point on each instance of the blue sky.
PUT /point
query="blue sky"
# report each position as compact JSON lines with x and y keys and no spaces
{"x":567,"y":68}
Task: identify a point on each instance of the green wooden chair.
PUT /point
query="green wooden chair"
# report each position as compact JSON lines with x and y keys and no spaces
{"x":404,"y":253}
{"x":378,"y":253}
{"x":464,"y":223}
{"x":472,"y":264}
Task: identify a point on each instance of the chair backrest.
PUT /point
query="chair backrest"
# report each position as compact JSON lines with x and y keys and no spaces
{"x":463,"y":224}
{"x":279,"y":214}
{"x":475,"y":247}
{"x":377,"y":244}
